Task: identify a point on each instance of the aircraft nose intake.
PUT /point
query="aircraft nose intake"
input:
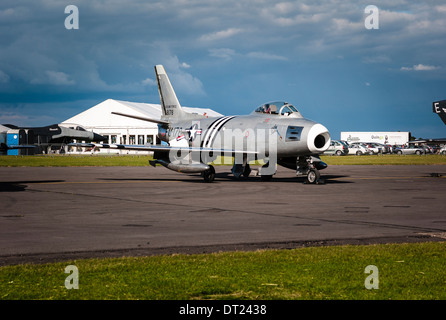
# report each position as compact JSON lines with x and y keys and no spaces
{"x":318,"y":138}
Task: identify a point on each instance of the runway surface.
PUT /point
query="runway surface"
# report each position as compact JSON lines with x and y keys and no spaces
{"x":51,"y":214}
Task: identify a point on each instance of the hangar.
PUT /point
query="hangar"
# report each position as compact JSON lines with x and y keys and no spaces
{"x":123,"y":130}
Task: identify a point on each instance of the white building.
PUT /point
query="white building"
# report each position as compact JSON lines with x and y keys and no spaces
{"x":124,"y":130}
{"x":389,"y":138}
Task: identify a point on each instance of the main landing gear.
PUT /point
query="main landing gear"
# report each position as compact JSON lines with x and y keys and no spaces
{"x":209,"y":175}
{"x":306,"y":166}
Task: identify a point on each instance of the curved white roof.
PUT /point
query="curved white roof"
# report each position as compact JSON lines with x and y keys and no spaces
{"x":100,"y":115}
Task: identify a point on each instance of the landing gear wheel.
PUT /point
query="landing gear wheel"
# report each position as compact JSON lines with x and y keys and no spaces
{"x":246,"y":171}
{"x":209,"y":175}
{"x":313,"y":176}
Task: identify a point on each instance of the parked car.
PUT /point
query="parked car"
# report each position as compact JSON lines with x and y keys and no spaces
{"x":358,"y":149}
{"x":427,"y":149}
{"x":435,"y":148}
{"x":385,"y":148}
{"x":409,"y":150}
{"x":338,"y":148}
{"x":374,"y":148}
{"x":443,"y":150}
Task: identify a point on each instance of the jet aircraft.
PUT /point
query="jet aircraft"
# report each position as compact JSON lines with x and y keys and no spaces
{"x":439,"y":108}
{"x":275,"y":132}
{"x":44,"y":138}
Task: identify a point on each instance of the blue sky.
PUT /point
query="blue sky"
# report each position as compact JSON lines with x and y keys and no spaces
{"x":231,"y":56}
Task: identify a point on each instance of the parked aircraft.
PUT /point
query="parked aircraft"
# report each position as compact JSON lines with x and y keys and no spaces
{"x":44,"y":138}
{"x":439,"y":107}
{"x":275,"y":132}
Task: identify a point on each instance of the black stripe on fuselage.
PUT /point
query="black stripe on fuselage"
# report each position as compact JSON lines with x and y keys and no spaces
{"x":208,"y":131}
{"x":213,"y":130}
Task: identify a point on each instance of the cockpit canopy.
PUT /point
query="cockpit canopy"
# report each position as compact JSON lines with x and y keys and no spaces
{"x":281,"y":108}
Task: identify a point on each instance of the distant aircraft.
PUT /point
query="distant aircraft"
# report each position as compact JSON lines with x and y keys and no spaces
{"x":439,"y":107}
{"x":275,"y":132}
{"x":44,"y":138}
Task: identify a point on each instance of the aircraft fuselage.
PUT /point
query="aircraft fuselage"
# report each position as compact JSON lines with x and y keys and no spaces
{"x":290,"y":137}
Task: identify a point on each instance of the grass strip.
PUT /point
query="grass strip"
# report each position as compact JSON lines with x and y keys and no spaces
{"x":406,"y":271}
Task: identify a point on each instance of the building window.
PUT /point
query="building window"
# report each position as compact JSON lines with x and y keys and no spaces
{"x":106,"y":139}
{"x":113,"y":138}
{"x":140,"y":139}
{"x":123,"y":139}
{"x":150,"y":139}
{"x":132,"y":139}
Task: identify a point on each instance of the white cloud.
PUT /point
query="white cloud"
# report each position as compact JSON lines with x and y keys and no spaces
{"x":59,"y":78}
{"x":182,"y":81}
{"x":419,"y":67}
{"x":219,"y":35}
{"x":185,"y":82}
{"x":185,"y":65}
{"x":422,"y":67}
{"x":441,"y":9}
{"x":148,"y":82}
{"x":53,"y":77}
{"x":223,"y":53}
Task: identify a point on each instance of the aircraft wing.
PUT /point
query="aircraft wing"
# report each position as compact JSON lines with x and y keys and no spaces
{"x":159,"y":148}
{"x":3,"y":146}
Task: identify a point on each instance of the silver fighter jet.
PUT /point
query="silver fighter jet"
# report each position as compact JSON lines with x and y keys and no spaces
{"x":274,"y":134}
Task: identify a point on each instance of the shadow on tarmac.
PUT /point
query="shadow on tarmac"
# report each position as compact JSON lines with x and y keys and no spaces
{"x":15,"y":186}
{"x":227,"y":177}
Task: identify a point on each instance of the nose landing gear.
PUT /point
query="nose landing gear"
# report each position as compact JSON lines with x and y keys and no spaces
{"x":313,"y":176}
{"x":308,"y":166}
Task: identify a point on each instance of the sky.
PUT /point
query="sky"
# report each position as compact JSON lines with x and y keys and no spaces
{"x":324,"y":57}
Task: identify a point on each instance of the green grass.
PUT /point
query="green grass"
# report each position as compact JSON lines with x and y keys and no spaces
{"x":142,"y":160}
{"x":386,"y":159}
{"x":406,"y":271}
{"x":74,"y":160}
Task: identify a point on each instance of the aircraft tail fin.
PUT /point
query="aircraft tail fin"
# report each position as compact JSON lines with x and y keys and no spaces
{"x":170,"y":106}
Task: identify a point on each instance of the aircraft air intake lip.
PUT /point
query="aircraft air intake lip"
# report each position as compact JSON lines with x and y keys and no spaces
{"x":318,"y":138}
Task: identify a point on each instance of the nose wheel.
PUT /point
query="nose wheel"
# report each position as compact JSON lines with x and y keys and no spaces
{"x":313,"y":176}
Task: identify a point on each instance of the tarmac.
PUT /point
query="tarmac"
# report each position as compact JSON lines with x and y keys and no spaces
{"x":64,"y":213}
